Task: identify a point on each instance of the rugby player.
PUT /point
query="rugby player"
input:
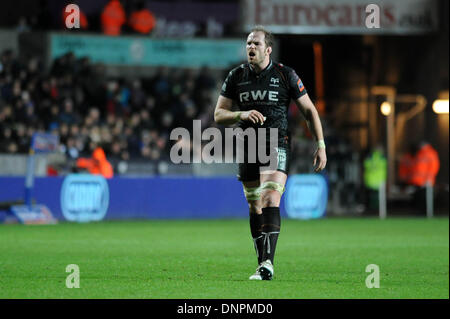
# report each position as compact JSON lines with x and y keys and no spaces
{"x":262,"y":89}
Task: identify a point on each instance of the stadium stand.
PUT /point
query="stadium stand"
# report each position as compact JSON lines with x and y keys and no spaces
{"x":130,"y":118}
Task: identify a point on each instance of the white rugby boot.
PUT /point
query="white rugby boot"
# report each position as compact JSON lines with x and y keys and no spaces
{"x":256,"y":275}
{"x":266,"y":270}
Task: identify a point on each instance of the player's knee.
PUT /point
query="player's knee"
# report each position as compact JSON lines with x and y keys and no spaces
{"x":270,"y":198}
{"x":252,"y":194}
{"x":271,"y":194}
{"x":254,"y":208}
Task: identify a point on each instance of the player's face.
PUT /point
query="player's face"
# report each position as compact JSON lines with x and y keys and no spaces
{"x":257,"y":51}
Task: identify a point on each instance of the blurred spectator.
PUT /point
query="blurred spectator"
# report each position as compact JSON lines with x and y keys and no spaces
{"x":418,"y":169}
{"x":142,"y":19}
{"x":22,"y":25}
{"x":71,"y":149}
{"x":426,"y":165}
{"x":161,"y":84}
{"x":42,"y":20}
{"x":67,"y":115}
{"x":97,"y":165}
{"x":375,"y":173}
{"x":131,"y":118}
{"x":5,"y":139}
{"x":112,"y":18}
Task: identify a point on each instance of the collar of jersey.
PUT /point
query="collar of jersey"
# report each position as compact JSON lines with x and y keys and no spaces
{"x":263,"y":71}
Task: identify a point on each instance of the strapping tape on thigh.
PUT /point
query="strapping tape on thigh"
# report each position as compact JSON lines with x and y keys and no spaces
{"x":252,"y":193}
{"x":274,"y":186}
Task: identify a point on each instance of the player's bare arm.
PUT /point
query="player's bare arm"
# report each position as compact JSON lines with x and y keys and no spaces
{"x":224,"y":115}
{"x":309,"y":111}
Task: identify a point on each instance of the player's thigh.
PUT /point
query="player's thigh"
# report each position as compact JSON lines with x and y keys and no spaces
{"x":251,"y":192}
{"x":250,"y":177}
{"x":272,"y":187}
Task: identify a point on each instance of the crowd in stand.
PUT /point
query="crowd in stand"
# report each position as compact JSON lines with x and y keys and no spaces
{"x":128,"y":118}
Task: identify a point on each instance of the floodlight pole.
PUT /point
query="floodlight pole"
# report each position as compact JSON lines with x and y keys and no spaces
{"x":390,"y":93}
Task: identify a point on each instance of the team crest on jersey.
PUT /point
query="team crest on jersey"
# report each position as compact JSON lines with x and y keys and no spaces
{"x":274,"y":82}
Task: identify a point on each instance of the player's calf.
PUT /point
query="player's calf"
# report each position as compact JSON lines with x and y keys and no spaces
{"x":271,"y":195}
{"x":270,"y":231}
{"x":252,"y":194}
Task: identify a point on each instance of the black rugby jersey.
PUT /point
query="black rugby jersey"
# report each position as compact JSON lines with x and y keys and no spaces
{"x":269,"y":92}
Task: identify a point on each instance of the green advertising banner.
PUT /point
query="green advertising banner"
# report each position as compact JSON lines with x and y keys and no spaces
{"x":138,"y":51}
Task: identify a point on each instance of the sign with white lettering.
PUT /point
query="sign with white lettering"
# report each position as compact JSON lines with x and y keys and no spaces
{"x":342,"y":17}
{"x":84,"y":197}
{"x":306,"y":196}
{"x":139,"y":51}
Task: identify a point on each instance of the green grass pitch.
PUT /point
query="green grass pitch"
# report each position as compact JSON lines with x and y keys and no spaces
{"x":186,"y":259}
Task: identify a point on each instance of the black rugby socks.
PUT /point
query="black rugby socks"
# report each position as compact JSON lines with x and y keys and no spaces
{"x":270,"y":231}
{"x":256,"y":221}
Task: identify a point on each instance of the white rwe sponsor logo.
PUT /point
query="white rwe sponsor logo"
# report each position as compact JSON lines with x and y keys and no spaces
{"x":258,"y":95}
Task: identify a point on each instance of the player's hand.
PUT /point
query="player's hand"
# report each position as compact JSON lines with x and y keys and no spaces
{"x":253,"y":116}
{"x":320,"y":159}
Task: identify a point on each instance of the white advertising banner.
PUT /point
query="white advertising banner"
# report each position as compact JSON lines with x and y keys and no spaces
{"x":342,"y":16}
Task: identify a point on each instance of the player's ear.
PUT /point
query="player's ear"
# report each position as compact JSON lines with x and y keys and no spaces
{"x":269,"y":50}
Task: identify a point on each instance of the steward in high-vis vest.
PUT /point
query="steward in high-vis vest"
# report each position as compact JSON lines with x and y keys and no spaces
{"x":375,"y":170}
{"x":97,"y":165}
{"x":142,"y":19}
{"x":375,"y":173}
{"x":423,"y":173}
{"x":425,"y":167}
{"x":112,"y":18}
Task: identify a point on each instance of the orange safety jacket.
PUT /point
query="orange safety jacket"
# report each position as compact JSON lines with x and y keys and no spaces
{"x":97,"y":165}
{"x":142,"y":21}
{"x":112,"y":18}
{"x":425,"y":167}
